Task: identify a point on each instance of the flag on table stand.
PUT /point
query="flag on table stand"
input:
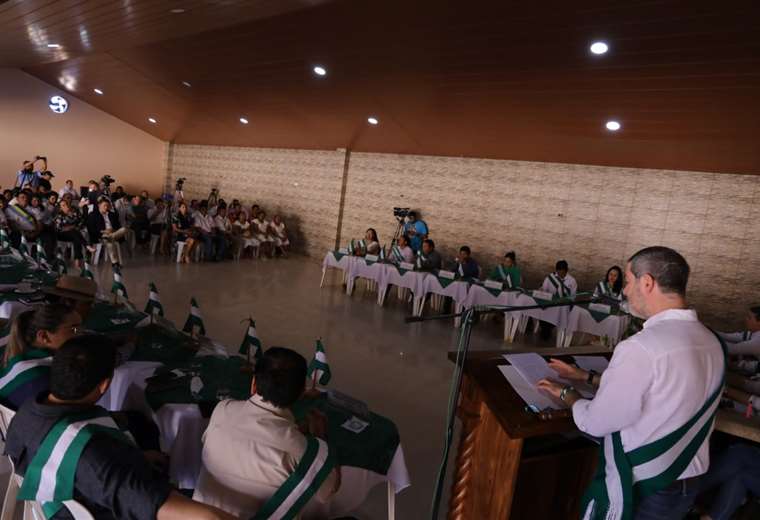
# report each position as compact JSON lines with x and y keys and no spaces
{"x":153,"y":307}
{"x":194,"y":319}
{"x":382,"y":254}
{"x":118,"y":287}
{"x":41,"y":255}
{"x":5,"y":242}
{"x":23,"y":248}
{"x":60,"y":262}
{"x":319,"y":369}
{"x":87,"y":269}
{"x":251,"y":341}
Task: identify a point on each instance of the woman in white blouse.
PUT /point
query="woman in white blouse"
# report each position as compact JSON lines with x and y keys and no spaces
{"x":280,"y":235}
{"x":262,"y":233}
{"x":371,"y":244}
{"x":745,"y":343}
{"x":242,"y":234}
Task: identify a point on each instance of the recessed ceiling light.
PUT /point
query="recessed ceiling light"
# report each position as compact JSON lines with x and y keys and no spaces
{"x":613,"y":126}
{"x":244,"y":120}
{"x":177,"y":11}
{"x":152,"y":120}
{"x":185,"y":83}
{"x":320,"y":71}
{"x":54,"y":45}
{"x":373,"y":120}
{"x":599,"y":48}
{"x":98,"y":91}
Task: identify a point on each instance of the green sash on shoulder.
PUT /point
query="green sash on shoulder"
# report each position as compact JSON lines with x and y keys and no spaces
{"x":624,"y":478}
{"x":559,"y":285}
{"x":23,"y":368}
{"x":312,"y":471}
{"x":49,"y":479}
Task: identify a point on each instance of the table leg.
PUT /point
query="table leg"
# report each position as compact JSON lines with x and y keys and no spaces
{"x":350,"y":285}
{"x":507,"y":327}
{"x":391,"y":501}
{"x":457,"y":310}
{"x":517,"y":324}
{"x":381,"y":295}
{"x":322,"y":282}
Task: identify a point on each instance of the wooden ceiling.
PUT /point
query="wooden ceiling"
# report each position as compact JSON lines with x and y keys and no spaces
{"x":493,"y":79}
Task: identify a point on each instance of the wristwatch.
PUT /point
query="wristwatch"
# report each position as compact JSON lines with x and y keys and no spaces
{"x":564,"y":392}
{"x":590,"y":378}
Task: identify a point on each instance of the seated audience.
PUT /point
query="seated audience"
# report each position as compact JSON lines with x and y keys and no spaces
{"x":560,"y":282}
{"x":118,"y":193}
{"x":416,"y":230}
{"x":507,"y":271}
{"x":68,"y":189}
{"x":111,"y":476}
{"x":428,"y":259}
{"x":371,"y":244}
{"x":243,"y":234}
{"x":222,"y":231}
{"x":260,"y":226}
{"x":251,"y":449}
{"x":22,"y":221}
{"x":465,"y":266}
{"x":104,"y":225}
{"x":280,"y":235}
{"x":182,"y":225}
{"x":205,"y":226}
{"x":140,"y":222}
{"x":67,"y":224}
{"x":35,"y":334}
{"x":612,"y":285}
{"x":158,"y":219}
{"x":401,"y":252}
{"x":746,"y":342}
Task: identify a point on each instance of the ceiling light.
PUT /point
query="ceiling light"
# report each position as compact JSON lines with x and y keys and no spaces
{"x":320,"y":71}
{"x":599,"y":48}
{"x":152,"y":120}
{"x":244,"y":120}
{"x":54,"y":45}
{"x":185,"y":83}
{"x":373,"y":120}
{"x":613,"y":126}
{"x":177,"y":11}
{"x":98,"y":91}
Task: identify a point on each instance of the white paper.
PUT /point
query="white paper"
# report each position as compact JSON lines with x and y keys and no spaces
{"x":371,"y":258}
{"x":528,"y":392}
{"x":542,"y":295}
{"x":406,"y":265}
{"x":449,"y":275}
{"x":533,"y":368}
{"x":596,"y":363}
{"x":600,"y":307}
{"x":493,"y":284}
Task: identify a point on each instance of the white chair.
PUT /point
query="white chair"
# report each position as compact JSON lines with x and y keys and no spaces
{"x":100,"y":251}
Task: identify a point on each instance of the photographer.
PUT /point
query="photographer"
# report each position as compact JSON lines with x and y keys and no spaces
{"x":416,"y":230}
{"x":28,"y":175}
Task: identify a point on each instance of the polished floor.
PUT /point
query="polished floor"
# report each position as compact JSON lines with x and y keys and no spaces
{"x":401,"y":370}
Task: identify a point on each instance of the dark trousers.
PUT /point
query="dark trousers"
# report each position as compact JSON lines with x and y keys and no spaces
{"x":671,"y":503}
{"x":142,"y":232}
{"x":737,"y":472}
{"x":76,"y":238}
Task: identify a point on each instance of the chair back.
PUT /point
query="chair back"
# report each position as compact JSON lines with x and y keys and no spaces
{"x":6,"y":416}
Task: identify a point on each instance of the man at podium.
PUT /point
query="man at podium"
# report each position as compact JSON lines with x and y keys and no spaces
{"x":656,"y":402}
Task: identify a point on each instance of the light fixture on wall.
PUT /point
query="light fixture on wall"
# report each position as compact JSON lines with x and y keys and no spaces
{"x":152,"y":120}
{"x":187,"y":84}
{"x":599,"y":48}
{"x":373,"y":120}
{"x":53,"y":45}
{"x":244,"y":120}
{"x":178,"y":10}
{"x":58,"y":104}
{"x":98,"y":91}
{"x":613,"y":126}
{"x":320,"y":70}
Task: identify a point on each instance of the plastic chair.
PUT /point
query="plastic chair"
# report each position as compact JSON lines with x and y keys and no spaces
{"x":99,"y":251}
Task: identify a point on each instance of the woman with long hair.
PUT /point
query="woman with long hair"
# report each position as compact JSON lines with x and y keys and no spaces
{"x":612,"y":285}
{"x":182,"y":225}
{"x":67,"y":226}
{"x":280,"y":235}
{"x":35,"y":334}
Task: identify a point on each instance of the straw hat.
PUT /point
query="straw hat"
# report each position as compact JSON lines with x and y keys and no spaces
{"x":74,"y":287}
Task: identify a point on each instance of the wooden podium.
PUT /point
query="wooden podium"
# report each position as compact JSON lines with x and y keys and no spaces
{"x":510,"y":463}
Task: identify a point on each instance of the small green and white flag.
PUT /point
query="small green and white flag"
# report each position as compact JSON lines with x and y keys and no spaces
{"x":362,"y":245}
{"x":5,"y":241}
{"x":41,"y":255}
{"x":153,"y":307}
{"x":319,"y":369}
{"x":382,"y":254}
{"x":396,"y":254}
{"x":87,"y":269}
{"x":194,"y":319}
{"x":251,"y":341}
{"x":23,"y":247}
{"x":118,"y":288}
{"x":351,"y":247}
{"x":60,"y":263}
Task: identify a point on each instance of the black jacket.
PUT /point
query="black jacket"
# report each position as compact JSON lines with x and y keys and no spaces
{"x":96,"y":224}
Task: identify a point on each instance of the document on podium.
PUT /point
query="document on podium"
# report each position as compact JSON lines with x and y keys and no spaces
{"x":529,"y":393}
{"x":533,"y":368}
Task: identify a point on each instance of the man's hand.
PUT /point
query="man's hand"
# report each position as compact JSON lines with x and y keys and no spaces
{"x":550,"y":387}
{"x":567,"y":371}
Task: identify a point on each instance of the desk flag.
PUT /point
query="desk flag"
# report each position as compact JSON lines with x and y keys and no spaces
{"x":60,"y":263}
{"x":118,"y":288}
{"x":87,"y":269}
{"x":251,"y":341}
{"x":5,"y":242}
{"x":319,"y":366}
{"x":23,"y":248}
{"x":153,"y":307}
{"x":194,"y":319}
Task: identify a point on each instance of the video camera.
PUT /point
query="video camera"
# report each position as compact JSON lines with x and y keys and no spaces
{"x":401,"y":213}
{"x":107,"y":180}
{"x":180,"y":182}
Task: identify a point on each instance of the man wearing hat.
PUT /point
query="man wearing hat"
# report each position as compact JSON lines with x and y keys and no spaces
{"x":76,"y":292}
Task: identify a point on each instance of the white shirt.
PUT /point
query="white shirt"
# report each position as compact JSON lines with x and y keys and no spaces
{"x":569,"y":281}
{"x":657,"y":381}
{"x":204,"y":222}
{"x":157,"y":216}
{"x":738,"y":345}
{"x":72,"y":191}
{"x":222,"y":224}
{"x":19,"y":222}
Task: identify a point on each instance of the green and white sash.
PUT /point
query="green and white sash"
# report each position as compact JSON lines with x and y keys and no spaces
{"x":396,"y":254}
{"x":381,"y":256}
{"x":421,"y":259}
{"x":505,"y":276}
{"x":624,"y":478}
{"x":559,"y":285}
{"x":362,"y":245}
{"x":23,"y":368}
{"x":21,"y":212}
{"x":746,"y":335}
{"x":460,"y":271}
{"x":604,"y":289}
{"x":23,"y":247}
{"x":310,"y":473}
{"x":41,"y":255}
{"x":49,"y":479}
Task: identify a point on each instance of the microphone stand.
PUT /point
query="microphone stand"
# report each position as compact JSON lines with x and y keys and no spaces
{"x":463,"y":347}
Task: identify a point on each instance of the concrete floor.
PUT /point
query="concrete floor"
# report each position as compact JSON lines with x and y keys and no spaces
{"x":401,"y":370}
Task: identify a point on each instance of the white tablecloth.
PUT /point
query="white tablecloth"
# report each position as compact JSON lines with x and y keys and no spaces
{"x":359,"y":268}
{"x":412,"y":280}
{"x":580,"y":320}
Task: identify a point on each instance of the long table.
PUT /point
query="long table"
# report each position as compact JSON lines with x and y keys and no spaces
{"x":467,"y":294}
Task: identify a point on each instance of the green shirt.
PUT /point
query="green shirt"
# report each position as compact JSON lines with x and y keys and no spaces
{"x":513,"y":272}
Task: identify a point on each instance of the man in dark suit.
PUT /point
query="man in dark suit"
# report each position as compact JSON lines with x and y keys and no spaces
{"x":103,"y":225}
